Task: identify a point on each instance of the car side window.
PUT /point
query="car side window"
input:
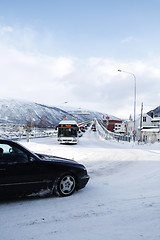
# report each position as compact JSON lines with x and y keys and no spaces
{"x":4,"y":149}
{"x":12,"y":155}
{"x":1,"y":156}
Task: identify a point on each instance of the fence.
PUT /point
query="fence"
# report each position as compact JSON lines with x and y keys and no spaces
{"x":110,"y":135}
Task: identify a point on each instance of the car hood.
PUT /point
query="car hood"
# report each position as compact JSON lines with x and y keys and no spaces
{"x":51,"y":158}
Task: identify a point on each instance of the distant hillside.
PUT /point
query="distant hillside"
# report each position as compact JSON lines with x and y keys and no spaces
{"x":20,"y":112}
{"x":156,"y":112}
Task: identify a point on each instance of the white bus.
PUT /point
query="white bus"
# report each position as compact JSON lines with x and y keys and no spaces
{"x":68,"y":132}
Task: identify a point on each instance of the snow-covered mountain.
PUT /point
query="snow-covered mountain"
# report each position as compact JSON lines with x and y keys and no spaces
{"x":22,"y":112}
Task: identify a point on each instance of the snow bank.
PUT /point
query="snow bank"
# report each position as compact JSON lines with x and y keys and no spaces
{"x":120,"y":202}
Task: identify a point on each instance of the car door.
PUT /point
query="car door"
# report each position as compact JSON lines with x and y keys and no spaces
{"x":19,"y":175}
{"x":2,"y":175}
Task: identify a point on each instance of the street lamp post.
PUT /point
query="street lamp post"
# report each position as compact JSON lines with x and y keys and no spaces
{"x":134,"y":100}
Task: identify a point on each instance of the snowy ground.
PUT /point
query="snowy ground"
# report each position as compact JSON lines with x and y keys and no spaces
{"x":120,"y":202}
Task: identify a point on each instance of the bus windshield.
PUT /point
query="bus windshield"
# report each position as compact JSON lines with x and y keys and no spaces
{"x":67,"y":131}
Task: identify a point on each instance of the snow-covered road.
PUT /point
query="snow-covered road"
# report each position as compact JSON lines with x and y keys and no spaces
{"x":120,"y":202}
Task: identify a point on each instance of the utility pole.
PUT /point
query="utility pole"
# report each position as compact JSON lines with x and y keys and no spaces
{"x":141,"y":122}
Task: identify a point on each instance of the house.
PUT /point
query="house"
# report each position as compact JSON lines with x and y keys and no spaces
{"x":110,"y":123}
{"x":151,"y":134}
{"x":120,"y":128}
{"x":147,"y":128}
{"x":141,"y":121}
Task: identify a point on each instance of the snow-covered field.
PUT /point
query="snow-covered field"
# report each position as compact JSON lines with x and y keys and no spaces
{"x":120,"y":202}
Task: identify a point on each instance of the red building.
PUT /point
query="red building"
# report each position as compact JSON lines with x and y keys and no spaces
{"x":111,"y":124}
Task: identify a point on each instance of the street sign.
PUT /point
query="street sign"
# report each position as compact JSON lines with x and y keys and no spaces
{"x":134,"y":132}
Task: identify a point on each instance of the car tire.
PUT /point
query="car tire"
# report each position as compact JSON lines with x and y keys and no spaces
{"x":66,"y":185}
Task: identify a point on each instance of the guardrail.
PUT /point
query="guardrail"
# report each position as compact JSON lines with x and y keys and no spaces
{"x":36,"y":133}
{"x":105,"y":133}
{"x":84,"y":122}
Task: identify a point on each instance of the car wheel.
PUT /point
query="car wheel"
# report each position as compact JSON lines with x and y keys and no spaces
{"x":66,"y":185}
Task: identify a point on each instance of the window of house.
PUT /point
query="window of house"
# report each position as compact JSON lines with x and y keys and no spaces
{"x":144,"y":119}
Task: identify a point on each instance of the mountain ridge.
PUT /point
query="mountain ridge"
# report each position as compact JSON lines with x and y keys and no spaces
{"x":24,"y":112}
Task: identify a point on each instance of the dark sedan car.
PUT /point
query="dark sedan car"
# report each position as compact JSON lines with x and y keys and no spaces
{"x":25,"y":173}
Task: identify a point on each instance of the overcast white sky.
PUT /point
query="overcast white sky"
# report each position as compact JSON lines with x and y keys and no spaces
{"x":69,"y":51}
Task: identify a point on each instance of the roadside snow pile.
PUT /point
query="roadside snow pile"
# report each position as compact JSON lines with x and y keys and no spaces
{"x":120,"y":202}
